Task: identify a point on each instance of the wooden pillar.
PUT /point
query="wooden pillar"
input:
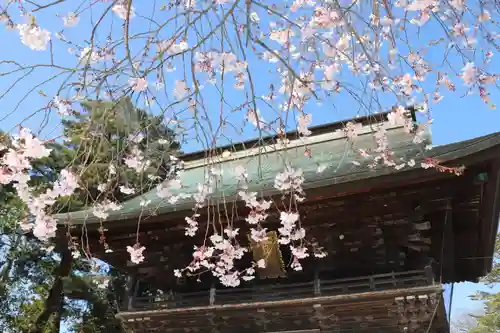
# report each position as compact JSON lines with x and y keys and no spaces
{"x":391,"y":248}
{"x":448,"y":246}
{"x":130,"y":289}
{"x":212,"y":294}
{"x":429,"y":273}
{"x":317,"y":282}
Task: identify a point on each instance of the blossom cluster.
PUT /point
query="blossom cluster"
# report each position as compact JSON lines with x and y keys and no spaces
{"x":219,"y":257}
{"x":15,"y":168}
{"x":280,"y":59}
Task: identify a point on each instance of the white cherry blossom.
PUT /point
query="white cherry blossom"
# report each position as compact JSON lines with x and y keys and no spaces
{"x":121,"y":9}
{"x":34,"y":37}
{"x":180,"y":89}
{"x":71,"y":19}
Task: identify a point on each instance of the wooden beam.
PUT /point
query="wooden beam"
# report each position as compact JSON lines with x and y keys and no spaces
{"x":310,"y":301}
{"x":490,"y":216}
{"x":391,"y":248}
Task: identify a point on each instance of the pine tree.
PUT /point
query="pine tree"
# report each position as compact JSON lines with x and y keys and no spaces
{"x":98,"y":136}
{"x":97,"y":139}
{"x":489,"y":322}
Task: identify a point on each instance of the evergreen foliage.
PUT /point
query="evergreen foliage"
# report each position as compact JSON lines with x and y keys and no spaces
{"x":43,"y":290}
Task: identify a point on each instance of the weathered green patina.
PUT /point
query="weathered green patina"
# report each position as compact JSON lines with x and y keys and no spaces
{"x":331,"y":150}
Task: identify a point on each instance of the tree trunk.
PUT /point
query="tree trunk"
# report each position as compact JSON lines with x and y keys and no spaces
{"x":7,"y":267}
{"x":53,"y":303}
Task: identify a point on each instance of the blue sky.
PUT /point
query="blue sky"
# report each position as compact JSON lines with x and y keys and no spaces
{"x":455,"y":118}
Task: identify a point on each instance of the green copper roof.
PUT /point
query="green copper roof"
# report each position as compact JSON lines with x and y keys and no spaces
{"x":331,"y":150}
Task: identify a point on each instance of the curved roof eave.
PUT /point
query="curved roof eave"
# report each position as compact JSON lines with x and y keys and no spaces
{"x":263,"y":169}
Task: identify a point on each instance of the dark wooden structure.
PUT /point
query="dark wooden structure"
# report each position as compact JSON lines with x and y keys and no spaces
{"x":393,"y":238}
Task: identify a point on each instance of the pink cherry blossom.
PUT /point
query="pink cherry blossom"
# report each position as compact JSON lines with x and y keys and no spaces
{"x":264,"y":74}
{"x":304,"y":120}
{"x":192,"y":225}
{"x":282,"y":36}
{"x":136,"y":253}
{"x":258,"y":235}
{"x":420,"y":5}
{"x":67,"y":184}
{"x":325,"y":18}
{"x":15,"y":161}
{"x":254,"y":118}
{"x":289,"y":180}
{"x":136,"y":160}
{"x":469,"y":73}
{"x":45,"y":227}
{"x":138,"y":84}
{"x":31,"y":146}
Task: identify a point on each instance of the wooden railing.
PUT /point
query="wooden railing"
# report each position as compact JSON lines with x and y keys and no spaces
{"x":284,"y":291}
